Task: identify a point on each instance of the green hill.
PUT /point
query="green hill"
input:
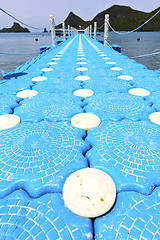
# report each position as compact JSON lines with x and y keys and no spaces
{"x":15,"y":28}
{"x":122,"y":18}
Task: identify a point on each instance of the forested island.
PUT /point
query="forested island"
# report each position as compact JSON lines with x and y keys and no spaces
{"x":15,"y":28}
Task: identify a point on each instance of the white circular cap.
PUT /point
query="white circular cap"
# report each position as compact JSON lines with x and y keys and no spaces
{"x":54,"y":59}
{"x":82,"y":69}
{"x":83,"y":93}
{"x":80,"y":58}
{"x":81,"y":63}
{"x":139,"y":92}
{"x":116,"y":68}
{"x":125,"y":77}
{"x":9,"y":121}
{"x":39,"y":78}
{"x":89,"y":192}
{"x":52,"y":63}
{"x":81,"y":55}
{"x":46,"y":69}
{"x":85,"y":120}
{"x":155,"y":117}
{"x":102,"y":55}
{"x":111,"y":63}
{"x":58,"y":55}
{"x":27,"y":93}
{"x":82,"y":78}
{"x":100,"y":52}
{"x":106,"y":58}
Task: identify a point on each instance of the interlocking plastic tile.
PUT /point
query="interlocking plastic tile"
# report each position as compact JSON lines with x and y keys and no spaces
{"x":147,"y":83}
{"x":129,"y":152}
{"x":40,"y":155}
{"x":117,"y":106}
{"x":51,"y":106}
{"x":108,"y":86}
{"x":13,"y":86}
{"x":57,"y":86}
{"x":154,"y":98}
{"x":42,"y":218}
{"x":7,"y":103}
{"x":134,"y":216}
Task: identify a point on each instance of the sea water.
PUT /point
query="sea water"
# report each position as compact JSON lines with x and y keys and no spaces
{"x":24,"y":43}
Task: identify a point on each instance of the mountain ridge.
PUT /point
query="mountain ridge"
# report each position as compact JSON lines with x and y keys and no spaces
{"x":122,"y":18}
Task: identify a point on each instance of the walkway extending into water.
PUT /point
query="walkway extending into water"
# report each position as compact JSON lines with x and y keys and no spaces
{"x":43,"y":148}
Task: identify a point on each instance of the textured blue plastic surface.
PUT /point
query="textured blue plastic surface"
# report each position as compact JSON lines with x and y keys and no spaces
{"x":51,"y":106}
{"x":110,"y":85}
{"x":117,"y":106}
{"x":14,"y":86}
{"x":41,"y":219}
{"x":41,"y":154}
{"x":8,"y":103}
{"x":134,"y":216}
{"x":153,"y":98}
{"x":129,"y":152}
{"x":57,"y":86}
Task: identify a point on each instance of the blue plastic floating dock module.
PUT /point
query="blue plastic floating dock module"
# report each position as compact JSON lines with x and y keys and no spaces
{"x":41,"y":154}
{"x":134,"y":216}
{"x":44,"y":149}
{"x":129,"y":152}
{"x":23,"y":217}
{"x":51,"y":106}
{"x":117,"y":106}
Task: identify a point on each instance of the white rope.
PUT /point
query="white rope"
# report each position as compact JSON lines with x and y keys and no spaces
{"x":145,"y":55}
{"x":135,"y":28}
{"x":101,"y":26}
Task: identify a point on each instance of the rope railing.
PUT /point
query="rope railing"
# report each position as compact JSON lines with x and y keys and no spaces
{"x":19,"y":20}
{"x":20,"y":54}
{"x":135,"y":28}
{"x":146,"y":55}
{"x":100,"y":26}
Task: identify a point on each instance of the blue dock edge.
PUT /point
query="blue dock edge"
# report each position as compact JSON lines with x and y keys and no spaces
{"x":39,"y":154}
{"x":114,"y":46}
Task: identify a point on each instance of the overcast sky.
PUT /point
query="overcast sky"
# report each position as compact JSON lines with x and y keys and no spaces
{"x":36,"y":12}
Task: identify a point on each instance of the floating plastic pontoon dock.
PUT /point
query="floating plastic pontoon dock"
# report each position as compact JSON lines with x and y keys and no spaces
{"x":52,"y":146}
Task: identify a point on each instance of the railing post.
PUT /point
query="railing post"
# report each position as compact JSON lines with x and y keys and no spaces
{"x":90,"y":33}
{"x":64,"y":33}
{"x":106,"y":29}
{"x":69,"y":35}
{"x":71,"y":31}
{"x":53,"y":32}
{"x":95,"y":30}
